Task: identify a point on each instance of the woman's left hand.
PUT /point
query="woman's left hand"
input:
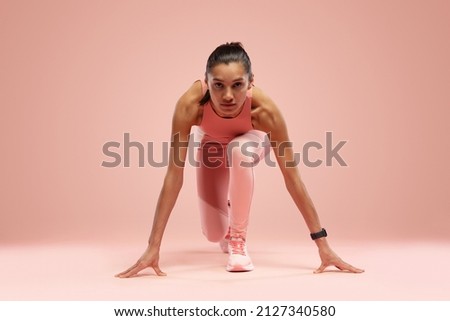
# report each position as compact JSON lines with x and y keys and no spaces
{"x":330,"y":258}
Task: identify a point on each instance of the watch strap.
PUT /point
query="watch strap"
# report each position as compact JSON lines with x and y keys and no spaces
{"x":318,"y":235}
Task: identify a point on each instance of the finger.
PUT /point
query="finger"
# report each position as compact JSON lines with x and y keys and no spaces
{"x":158,"y":271}
{"x":321,"y":268}
{"x":133,"y":271}
{"x":348,"y":267}
{"x":127,"y":270}
{"x":356,"y":270}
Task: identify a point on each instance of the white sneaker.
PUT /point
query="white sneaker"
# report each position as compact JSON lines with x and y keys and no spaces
{"x":238,"y":261}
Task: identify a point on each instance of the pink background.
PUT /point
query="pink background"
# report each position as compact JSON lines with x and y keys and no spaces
{"x":77,"y":74}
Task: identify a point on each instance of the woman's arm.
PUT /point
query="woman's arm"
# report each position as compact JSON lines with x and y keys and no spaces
{"x":268,"y":118}
{"x":185,"y":116}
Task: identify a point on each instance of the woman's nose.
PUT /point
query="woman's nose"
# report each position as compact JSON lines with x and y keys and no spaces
{"x":228,"y":95}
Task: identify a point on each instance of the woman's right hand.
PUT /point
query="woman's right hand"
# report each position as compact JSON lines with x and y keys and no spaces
{"x":186,"y":115}
{"x":150,"y":258}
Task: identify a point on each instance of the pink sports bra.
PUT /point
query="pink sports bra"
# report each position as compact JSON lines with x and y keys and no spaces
{"x":223,"y":130}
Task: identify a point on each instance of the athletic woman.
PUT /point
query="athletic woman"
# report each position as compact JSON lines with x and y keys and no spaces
{"x":237,"y":123}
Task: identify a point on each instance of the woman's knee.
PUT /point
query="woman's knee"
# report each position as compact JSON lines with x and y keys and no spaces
{"x":247,"y":149}
{"x":244,"y":153}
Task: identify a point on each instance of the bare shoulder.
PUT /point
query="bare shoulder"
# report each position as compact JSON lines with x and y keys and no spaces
{"x":187,"y":108}
{"x":266,"y":115}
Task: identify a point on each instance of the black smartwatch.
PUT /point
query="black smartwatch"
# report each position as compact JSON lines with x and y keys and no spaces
{"x":318,"y":235}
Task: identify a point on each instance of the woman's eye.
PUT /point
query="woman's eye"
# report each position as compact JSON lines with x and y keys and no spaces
{"x":218,"y":85}
{"x":237,"y":84}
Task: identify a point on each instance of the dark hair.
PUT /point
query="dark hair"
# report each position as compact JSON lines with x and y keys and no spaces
{"x":226,"y":54}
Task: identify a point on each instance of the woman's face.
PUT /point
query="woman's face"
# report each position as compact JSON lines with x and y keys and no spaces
{"x":228,"y":85}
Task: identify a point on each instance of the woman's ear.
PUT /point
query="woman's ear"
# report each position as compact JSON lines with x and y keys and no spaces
{"x":250,"y":81}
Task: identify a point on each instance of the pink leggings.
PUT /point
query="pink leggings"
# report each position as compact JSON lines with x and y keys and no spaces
{"x":227,"y":174}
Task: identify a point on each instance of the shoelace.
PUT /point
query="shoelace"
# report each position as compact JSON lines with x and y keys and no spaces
{"x":237,"y":246}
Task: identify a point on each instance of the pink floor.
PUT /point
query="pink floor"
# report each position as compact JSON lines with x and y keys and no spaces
{"x":196,"y":271}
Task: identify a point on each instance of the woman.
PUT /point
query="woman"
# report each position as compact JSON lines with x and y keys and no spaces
{"x":235,"y":120}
